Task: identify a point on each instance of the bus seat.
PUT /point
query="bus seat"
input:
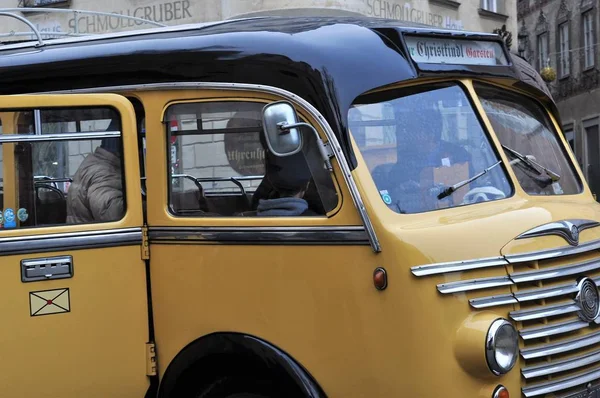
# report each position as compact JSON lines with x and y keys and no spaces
{"x":265,"y":191}
{"x":189,"y":200}
{"x":227,"y":205}
{"x":51,"y":205}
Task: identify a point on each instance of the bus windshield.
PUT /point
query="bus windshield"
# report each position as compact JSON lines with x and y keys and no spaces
{"x":426,"y":149}
{"x":529,"y":141}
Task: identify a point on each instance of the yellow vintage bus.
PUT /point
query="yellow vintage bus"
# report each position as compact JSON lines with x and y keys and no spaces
{"x":291,"y":207}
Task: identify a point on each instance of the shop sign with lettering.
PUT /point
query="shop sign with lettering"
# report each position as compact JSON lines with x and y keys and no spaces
{"x":457,"y":52}
{"x":245,"y":153}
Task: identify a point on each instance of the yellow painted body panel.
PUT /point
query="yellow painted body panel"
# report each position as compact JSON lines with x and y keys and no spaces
{"x":316,"y":303}
{"x":319,"y":304}
{"x":95,"y":350}
{"x":97,"y":347}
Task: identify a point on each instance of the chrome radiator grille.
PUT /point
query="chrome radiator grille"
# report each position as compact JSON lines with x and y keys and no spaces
{"x":560,"y":352}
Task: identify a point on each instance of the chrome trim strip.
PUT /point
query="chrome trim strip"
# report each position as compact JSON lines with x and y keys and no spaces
{"x":544,"y":312}
{"x":456,"y":266}
{"x":34,"y":29}
{"x":299,"y":101}
{"x":559,"y":385}
{"x":70,"y":241}
{"x":560,"y":366}
{"x":473,"y":284}
{"x":567,"y":229}
{"x":260,"y":235}
{"x":555,"y":272}
{"x":92,"y":135}
{"x":526,"y":295}
{"x":553,"y":253}
{"x":492,"y":301}
{"x":560,"y":347}
{"x":537,"y":294}
{"x":552,"y":329}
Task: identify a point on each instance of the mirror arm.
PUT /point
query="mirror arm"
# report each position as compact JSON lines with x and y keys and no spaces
{"x":325,"y":154}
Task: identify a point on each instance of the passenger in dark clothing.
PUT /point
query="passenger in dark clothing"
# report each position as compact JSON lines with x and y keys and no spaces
{"x":289,"y":177}
{"x":419,"y":147}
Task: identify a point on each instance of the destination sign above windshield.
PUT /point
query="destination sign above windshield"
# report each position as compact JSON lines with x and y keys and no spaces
{"x":430,"y":50}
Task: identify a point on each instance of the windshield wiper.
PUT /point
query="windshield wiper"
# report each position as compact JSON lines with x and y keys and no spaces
{"x":554,"y":177}
{"x":451,"y":189}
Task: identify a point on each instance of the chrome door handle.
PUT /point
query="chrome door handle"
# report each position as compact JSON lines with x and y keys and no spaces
{"x":42,"y":269}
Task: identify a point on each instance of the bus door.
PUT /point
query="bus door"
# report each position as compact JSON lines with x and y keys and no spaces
{"x":73,"y":282}
{"x":223,"y":256}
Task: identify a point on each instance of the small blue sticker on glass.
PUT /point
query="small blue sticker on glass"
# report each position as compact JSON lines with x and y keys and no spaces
{"x":9,"y":219}
{"x":385,"y":196}
{"x":22,"y":214}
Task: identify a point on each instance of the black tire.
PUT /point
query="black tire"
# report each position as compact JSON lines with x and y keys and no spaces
{"x":239,"y":387}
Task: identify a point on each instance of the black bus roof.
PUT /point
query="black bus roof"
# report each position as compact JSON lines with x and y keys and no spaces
{"x":328,"y":61}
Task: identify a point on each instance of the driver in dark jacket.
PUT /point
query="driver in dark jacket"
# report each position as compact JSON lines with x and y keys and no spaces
{"x":96,"y":193}
{"x":289,"y":177}
{"x":419,"y":147}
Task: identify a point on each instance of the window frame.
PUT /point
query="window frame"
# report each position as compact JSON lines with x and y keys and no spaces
{"x":263,"y":101}
{"x":473,"y":101}
{"x":117,"y":105}
{"x":490,"y":5}
{"x":588,"y":48}
{"x":564,"y":49}
{"x":570,"y":127}
{"x":556,"y":130}
{"x":542,"y":49}
{"x":587,"y":123}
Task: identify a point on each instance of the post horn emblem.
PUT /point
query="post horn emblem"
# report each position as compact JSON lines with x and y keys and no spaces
{"x":569,"y":230}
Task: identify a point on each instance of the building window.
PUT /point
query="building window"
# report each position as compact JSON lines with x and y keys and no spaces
{"x":588,"y":40}
{"x":570,"y":136}
{"x":564,"y":55}
{"x":490,"y":5}
{"x":542,"y":48}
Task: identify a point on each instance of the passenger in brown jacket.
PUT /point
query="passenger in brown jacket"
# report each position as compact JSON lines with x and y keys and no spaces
{"x":96,"y":193}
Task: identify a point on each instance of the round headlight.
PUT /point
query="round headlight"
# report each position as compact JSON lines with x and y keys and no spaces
{"x":501,"y":346}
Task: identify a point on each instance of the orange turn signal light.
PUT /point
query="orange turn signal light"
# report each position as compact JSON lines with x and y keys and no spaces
{"x":501,"y":392}
{"x":380,"y":278}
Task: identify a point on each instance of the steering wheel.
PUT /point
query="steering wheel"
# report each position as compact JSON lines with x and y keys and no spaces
{"x":483,"y":194}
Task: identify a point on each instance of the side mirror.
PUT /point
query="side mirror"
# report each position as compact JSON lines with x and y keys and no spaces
{"x":280,"y":125}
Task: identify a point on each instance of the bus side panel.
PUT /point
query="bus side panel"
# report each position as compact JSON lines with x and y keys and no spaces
{"x":87,"y":339}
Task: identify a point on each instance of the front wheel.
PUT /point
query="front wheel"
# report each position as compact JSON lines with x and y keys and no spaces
{"x":240,"y":387}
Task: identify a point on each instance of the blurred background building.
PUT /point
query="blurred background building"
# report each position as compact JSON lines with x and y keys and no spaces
{"x":561,"y":37}
{"x":474,"y":15}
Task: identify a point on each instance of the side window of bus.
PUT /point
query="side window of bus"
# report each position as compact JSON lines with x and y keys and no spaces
{"x":48,"y":179}
{"x":1,"y":174}
{"x":219,"y":166}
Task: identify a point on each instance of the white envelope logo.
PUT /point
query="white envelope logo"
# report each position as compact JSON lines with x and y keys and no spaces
{"x":48,"y":302}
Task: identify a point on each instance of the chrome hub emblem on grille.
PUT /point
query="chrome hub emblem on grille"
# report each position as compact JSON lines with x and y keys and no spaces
{"x":575,"y":233}
{"x":588,"y":299}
